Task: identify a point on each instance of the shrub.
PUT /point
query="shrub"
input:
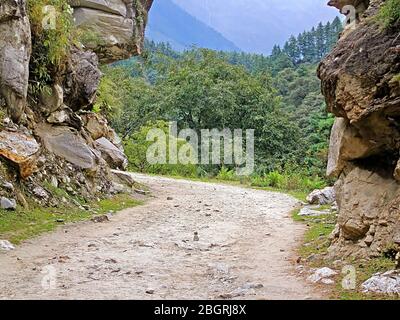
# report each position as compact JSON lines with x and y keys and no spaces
{"x":136,"y":147}
{"x":274,"y":179}
{"x":389,"y":14}
{"x":50,"y":46}
{"x":227,"y":175}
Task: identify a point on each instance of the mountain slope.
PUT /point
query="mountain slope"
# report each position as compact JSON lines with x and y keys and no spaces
{"x":170,"y":23}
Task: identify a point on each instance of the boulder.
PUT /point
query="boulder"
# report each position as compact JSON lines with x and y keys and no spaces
{"x":115,"y":28}
{"x":114,"y":138}
{"x":58,"y":117}
{"x":111,"y":154}
{"x":123,"y":177}
{"x":82,"y":80}
{"x":359,"y":84}
{"x":6,"y":245}
{"x":322,"y":197}
{"x":20,"y":149}
{"x":96,"y":125}
{"x":8,"y":204}
{"x":322,"y":275}
{"x":346,"y":144}
{"x":15,"y":51}
{"x":68,"y":144}
{"x":112,"y":32}
{"x":385,"y":283}
{"x":361,"y":195}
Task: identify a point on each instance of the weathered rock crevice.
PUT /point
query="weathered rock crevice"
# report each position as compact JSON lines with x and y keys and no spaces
{"x":359,"y":84}
{"x":55,"y":140}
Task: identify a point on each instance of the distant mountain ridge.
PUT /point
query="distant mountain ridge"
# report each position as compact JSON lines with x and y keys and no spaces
{"x":170,"y":23}
{"x":257,"y":25}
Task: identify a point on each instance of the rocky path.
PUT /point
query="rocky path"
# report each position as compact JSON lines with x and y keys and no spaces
{"x":245,"y":250}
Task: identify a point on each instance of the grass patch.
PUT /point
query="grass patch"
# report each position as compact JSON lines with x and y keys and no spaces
{"x":316,"y":241}
{"x":23,"y":224}
{"x":364,"y":271}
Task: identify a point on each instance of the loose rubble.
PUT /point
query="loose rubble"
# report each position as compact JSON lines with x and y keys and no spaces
{"x":386,"y":283}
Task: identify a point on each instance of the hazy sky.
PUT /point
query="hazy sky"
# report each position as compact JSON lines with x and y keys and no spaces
{"x":256,"y":25}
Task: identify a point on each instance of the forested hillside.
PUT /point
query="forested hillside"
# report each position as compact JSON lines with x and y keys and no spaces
{"x":278,"y":96}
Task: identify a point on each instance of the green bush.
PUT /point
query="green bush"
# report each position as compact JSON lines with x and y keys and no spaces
{"x":389,"y":14}
{"x":274,"y":179}
{"x":136,"y":147}
{"x":227,"y":175}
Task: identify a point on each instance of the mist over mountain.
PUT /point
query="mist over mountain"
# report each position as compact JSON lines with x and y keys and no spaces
{"x":257,"y":25}
{"x":170,"y":23}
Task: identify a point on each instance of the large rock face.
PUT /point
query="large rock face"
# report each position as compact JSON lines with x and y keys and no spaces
{"x":15,"y":50}
{"x":114,"y":29}
{"x":53,"y":138}
{"x":361,"y":85}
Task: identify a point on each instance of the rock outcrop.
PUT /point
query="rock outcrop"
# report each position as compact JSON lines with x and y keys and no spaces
{"x":114,"y":29}
{"x":15,"y":51}
{"x":360,"y":81}
{"x":54,"y":140}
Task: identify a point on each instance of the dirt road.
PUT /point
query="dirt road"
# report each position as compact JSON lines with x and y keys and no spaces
{"x":245,"y":249}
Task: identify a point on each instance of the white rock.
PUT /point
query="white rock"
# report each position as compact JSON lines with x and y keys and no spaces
{"x":6,"y":245}
{"x":320,"y":274}
{"x":388,"y":283}
{"x":9,"y":186}
{"x":327,"y":281}
{"x":58,"y":117}
{"x":308,"y":211}
{"x":8,"y":204}
{"x":324,"y":196}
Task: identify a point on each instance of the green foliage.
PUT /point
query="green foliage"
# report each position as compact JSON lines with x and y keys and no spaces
{"x":312,"y":46}
{"x":50,"y":46}
{"x":389,"y":13}
{"x":278,"y":96}
{"x":137,"y":145}
{"x":227,"y":175}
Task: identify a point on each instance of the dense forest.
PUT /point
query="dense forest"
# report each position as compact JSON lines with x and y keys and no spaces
{"x":277,"y":95}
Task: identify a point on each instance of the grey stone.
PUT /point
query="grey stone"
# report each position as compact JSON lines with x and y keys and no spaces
{"x":82,"y":80}
{"x":319,"y":274}
{"x":8,"y":204}
{"x":40,"y":193}
{"x":124,"y":177}
{"x":111,"y":154}
{"x":68,"y":144}
{"x":322,"y":197}
{"x":386,"y":283}
{"x":6,"y":245}
{"x":15,"y":51}
{"x":8,"y":186}
{"x":58,"y":117}
{"x":311,"y":212}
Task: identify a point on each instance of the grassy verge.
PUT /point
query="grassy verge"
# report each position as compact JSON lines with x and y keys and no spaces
{"x":22,"y":224}
{"x":316,"y":240}
{"x":315,"y":245}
